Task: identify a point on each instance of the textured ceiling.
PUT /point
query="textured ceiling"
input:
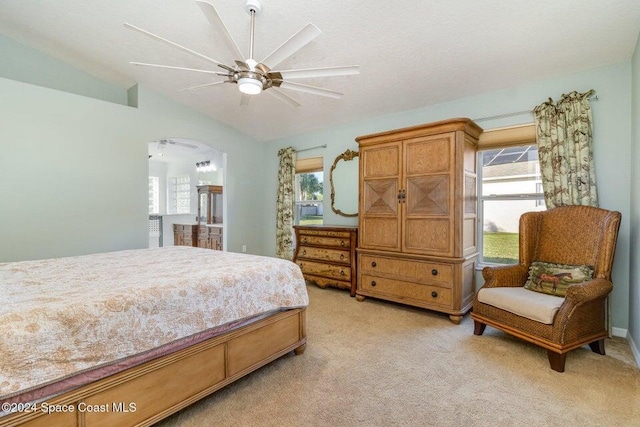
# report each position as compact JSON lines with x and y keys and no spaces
{"x":411,"y":53}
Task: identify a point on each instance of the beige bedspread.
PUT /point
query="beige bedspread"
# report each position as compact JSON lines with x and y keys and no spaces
{"x":62,"y":316}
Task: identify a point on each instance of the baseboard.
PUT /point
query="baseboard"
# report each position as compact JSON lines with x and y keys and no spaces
{"x":634,"y":350}
{"x":623,"y":333}
{"x":619,"y":332}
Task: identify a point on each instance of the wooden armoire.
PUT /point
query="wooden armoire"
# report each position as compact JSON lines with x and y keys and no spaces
{"x":417,"y":216}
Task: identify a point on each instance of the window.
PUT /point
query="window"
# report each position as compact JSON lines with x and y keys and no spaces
{"x":309,"y":207}
{"x":179,"y":195}
{"x":154,"y":195}
{"x":539,"y":202}
{"x":510,"y":185}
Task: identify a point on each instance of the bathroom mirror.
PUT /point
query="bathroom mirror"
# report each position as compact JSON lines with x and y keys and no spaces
{"x":344,"y":184}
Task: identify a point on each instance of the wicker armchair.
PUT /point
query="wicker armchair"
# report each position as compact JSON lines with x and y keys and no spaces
{"x":574,"y":235}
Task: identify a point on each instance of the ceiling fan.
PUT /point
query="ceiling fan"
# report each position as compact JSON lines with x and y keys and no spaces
{"x":163,"y":143}
{"x":251,"y":76}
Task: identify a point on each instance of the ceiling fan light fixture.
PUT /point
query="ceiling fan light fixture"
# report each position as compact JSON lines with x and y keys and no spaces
{"x":250,"y":86}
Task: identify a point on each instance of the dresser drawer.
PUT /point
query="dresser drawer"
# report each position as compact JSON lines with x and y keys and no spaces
{"x":323,"y":282}
{"x":325,"y":241}
{"x":323,"y":254}
{"x":206,"y":231}
{"x":399,"y":289}
{"x":435,"y":273}
{"x":326,"y":270}
{"x":325,"y":233}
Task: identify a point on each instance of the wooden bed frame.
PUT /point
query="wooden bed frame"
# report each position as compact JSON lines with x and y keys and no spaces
{"x":145,"y":394}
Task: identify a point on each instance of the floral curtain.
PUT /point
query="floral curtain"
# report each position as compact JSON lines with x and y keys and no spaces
{"x":563,"y":134}
{"x":285,"y":203}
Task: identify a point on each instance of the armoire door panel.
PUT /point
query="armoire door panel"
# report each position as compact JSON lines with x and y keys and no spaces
{"x":429,"y":236}
{"x":428,"y":195}
{"x":380,"y":197}
{"x":380,"y":233}
{"x":470,"y":199}
{"x":383,"y":161}
{"x":428,"y":155}
{"x":470,"y":155}
{"x":469,"y":240}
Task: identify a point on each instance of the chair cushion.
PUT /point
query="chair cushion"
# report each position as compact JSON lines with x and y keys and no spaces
{"x":523,"y":302}
{"x":554,"y":279}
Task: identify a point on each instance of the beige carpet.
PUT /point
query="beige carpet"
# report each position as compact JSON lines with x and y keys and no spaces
{"x":381,"y":364}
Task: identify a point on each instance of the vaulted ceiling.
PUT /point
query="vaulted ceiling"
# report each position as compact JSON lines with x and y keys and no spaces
{"x":411,"y":53}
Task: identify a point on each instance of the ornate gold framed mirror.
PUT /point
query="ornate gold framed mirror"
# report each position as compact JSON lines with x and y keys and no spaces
{"x":343,"y":177}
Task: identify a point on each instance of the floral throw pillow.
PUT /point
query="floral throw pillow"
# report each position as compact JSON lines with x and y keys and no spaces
{"x":554,"y":279}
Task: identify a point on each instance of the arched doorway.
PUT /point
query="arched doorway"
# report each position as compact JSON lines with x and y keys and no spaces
{"x":177,"y":166}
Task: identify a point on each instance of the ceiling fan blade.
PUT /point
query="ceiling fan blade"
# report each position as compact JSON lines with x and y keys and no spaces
{"x":242,"y":65}
{"x":283,"y":97}
{"x":319,"y":72}
{"x":226,"y":67}
{"x":214,"y":19}
{"x":262,"y":68}
{"x":170,"y":43}
{"x":182,"y":144}
{"x":244,"y":100}
{"x":177,"y":68}
{"x":309,"y":89}
{"x":291,"y":46}
{"x":204,"y":85}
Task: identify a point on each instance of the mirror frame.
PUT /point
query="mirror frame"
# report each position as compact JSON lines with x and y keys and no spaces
{"x":347,"y":156}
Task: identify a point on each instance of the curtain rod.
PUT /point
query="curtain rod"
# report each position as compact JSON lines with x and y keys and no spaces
{"x":311,"y":148}
{"x":519,"y":113}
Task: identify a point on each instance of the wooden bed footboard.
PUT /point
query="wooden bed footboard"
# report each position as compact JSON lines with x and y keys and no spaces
{"x":145,"y":394}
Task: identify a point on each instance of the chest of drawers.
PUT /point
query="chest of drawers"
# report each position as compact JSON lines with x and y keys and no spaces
{"x":185,"y":234}
{"x":201,"y":236}
{"x":210,"y":237}
{"x":326,"y":255}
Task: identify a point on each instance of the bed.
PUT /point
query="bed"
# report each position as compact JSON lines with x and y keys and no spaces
{"x":130,"y":337}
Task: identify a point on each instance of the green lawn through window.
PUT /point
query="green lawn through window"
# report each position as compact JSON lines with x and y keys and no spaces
{"x":310,"y":219}
{"x":500,"y":248}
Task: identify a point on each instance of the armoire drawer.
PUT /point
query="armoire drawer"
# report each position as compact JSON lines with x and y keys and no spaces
{"x":426,"y":272}
{"x":323,"y":254}
{"x":401,"y":290}
{"x":327,"y":270}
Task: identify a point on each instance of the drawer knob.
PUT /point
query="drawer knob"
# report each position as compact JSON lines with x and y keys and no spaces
{"x":342,"y":256}
{"x":434,"y":272}
{"x":304,"y":240}
{"x":341,"y":242}
{"x":373,"y":264}
{"x":304,"y":252}
{"x":373,"y":283}
{"x":434,"y":294}
{"x":342,"y":272}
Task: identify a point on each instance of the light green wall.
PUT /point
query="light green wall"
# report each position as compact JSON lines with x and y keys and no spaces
{"x":73,"y":171}
{"x":634,"y":296}
{"x":24,"y":64}
{"x":612,"y":147}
